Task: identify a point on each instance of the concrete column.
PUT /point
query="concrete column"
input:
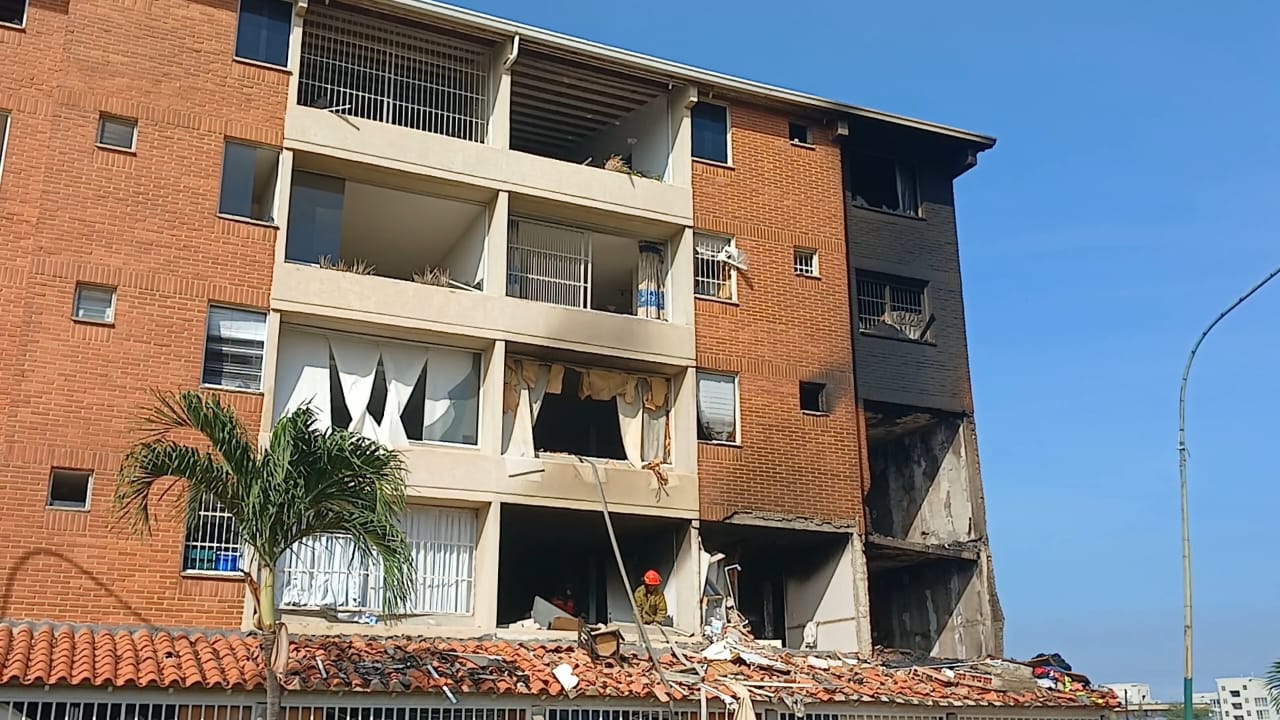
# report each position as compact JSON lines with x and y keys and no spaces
{"x":284,"y":188}
{"x":485,"y":589}
{"x":680,"y":171}
{"x":680,"y":278}
{"x":271,"y":352}
{"x":295,"y":48}
{"x":833,"y":598}
{"x":495,"y":250}
{"x":684,"y":423}
{"x":500,"y":98}
{"x":491,"y":382}
{"x":684,"y":587}
{"x":861,"y":593}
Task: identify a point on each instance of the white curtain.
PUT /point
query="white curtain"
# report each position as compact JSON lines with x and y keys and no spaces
{"x":518,"y":450}
{"x":326,"y":572}
{"x":302,"y":375}
{"x":654,"y":442}
{"x":452,"y":403}
{"x":357,"y":363}
{"x":631,"y":423}
{"x":908,"y":193}
{"x":717,"y":411}
{"x":443,"y":544}
{"x":401,"y":364}
{"x":651,"y":282}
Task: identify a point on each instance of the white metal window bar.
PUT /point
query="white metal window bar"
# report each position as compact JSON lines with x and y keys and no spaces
{"x":372,"y":69}
{"x":712,"y":276}
{"x":806,"y":262}
{"x":328,"y":571}
{"x":549,"y":263}
{"x":212,"y":542}
{"x":882,"y":299}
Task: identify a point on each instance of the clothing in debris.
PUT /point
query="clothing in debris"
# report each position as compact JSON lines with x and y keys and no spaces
{"x":651,"y":605}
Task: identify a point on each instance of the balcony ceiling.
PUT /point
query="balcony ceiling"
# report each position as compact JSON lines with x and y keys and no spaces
{"x":556,"y":103}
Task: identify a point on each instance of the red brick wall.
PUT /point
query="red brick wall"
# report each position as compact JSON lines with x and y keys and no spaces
{"x":783,"y":329}
{"x":144,"y":222}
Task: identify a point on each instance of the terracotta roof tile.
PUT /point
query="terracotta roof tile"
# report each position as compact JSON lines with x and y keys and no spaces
{"x":46,"y":654}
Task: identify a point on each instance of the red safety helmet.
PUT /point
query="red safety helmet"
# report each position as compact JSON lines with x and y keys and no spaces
{"x":652,"y":578}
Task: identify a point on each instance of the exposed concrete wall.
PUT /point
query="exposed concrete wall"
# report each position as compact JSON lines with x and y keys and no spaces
{"x":648,"y":125}
{"x":921,"y":486}
{"x":833,"y":596}
{"x":466,"y":260}
{"x":941,"y":607}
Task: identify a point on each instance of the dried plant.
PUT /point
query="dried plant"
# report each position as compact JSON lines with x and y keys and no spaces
{"x":357,"y":266}
{"x":438,"y":276}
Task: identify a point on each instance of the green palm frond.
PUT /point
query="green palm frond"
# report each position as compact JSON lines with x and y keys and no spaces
{"x":304,"y":483}
{"x":1273,"y":684}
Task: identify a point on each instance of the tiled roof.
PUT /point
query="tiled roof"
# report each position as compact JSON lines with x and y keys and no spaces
{"x":50,"y":654}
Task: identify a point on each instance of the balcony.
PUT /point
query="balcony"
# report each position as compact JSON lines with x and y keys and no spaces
{"x":356,"y":227}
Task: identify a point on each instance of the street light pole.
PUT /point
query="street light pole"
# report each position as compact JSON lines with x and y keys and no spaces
{"x":1182,"y":476}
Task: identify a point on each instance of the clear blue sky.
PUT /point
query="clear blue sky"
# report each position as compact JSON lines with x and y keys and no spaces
{"x":1133,"y":193}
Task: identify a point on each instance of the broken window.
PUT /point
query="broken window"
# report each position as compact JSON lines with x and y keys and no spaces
{"x":813,"y":397}
{"x":328,"y":571}
{"x":882,"y":183}
{"x":578,"y":425}
{"x":717,"y":407}
{"x":249,"y":181}
{"x":713,"y":275}
{"x":69,"y":489}
{"x":799,"y":132}
{"x":893,"y":305}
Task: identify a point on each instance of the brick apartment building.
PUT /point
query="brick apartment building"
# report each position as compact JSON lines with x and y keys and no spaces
{"x":545,"y":249}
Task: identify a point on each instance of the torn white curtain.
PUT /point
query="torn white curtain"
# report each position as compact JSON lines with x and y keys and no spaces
{"x":651,"y":283}
{"x":908,"y":192}
{"x":401,"y":365}
{"x":654,"y":445}
{"x":644,"y":431}
{"x":449,"y":414}
{"x":302,"y":376}
{"x":517,"y":426}
{"x":908,"y":323}
{"x":357,"y":364}
{"x":326,"y":571}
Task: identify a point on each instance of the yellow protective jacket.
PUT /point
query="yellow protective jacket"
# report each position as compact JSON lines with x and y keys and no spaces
{"x":652,"y":606}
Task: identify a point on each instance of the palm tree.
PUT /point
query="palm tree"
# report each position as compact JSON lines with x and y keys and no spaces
{"x":1273,"y":684}
{"x":304,"y":483}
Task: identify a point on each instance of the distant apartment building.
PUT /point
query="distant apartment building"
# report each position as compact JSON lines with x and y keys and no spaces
{"x":1242,"y":698}
{"x":534,"y":264}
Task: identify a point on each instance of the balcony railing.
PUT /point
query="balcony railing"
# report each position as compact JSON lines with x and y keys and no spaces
{"x":368,"y":68}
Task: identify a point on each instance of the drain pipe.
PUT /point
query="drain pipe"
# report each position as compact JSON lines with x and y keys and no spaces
{"x":515,"y":53}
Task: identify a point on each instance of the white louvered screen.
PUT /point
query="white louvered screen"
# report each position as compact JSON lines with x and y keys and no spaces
{"x":717,"y":407}
{"x":234,"y":347}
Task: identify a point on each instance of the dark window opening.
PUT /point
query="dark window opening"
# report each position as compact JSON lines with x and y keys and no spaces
{"x":710,"y":132}
{"x":893,"y":306}
{"x":799,"y":133}
{"x":813,"y":397}
{"x":69,"y":489}
{"x":882,"y":183}
{"x":578,"y":426}
{"x":262,"y":34}
{"x":13,"y":12}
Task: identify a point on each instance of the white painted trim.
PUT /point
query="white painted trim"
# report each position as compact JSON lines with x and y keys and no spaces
{"x":6,"y":117}
{"x":103,"y":118}
{"x":22,"y":24}
{"x":737,"y":406}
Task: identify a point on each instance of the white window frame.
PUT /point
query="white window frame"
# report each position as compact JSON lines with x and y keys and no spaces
{"x":812,"y":254}
{"x":728,"y":136}
{"x":26,"y":10}
{"x":729,"y":241}
{"x":204,"y":350}
{"x":5,"y":123}
{"x":103,"y":119}
{"x":75,"y":304}
{"x":88,"y":490}
{"x":737,"y":406}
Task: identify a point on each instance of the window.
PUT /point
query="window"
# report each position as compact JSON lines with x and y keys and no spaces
{"x":329,"y":572}
{"x":893,"y":306}
{"x":799,"y":133}
{"x":13,"y":12}
{"x":94,"y":303}
{"x":249,"y":181}
{"x":711,"y":132}
{"x":212,"y":541}
{"x":713,"y":277}
{"x":1235,"y":693}
{"x":806,"y":262}
{"x":234,"y":344}
{"x":118,"y":133}
{"x":1264,"y":714}
{"x":69,"y":489}
{"x":1259,"y":702}
{"x":882,"y":183}
{"x":4,"y":138}
{"x":262,"y":34}
{"x":813,"y":397}
{"x":717,"y":407}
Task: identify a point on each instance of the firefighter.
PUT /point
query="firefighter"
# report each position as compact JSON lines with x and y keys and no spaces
{"x":651,"y":604}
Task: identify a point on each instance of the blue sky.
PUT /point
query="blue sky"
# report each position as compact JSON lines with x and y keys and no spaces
{"x":1129,"y":199}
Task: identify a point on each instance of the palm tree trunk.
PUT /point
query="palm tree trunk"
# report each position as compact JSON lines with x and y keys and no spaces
{"x":267,"y":606}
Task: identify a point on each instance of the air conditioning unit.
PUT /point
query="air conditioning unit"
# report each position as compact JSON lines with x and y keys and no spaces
{"x":842,"y":128}
{"x":734,"y":256}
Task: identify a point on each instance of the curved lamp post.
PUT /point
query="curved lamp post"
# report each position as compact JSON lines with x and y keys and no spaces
{"x":1182,"y":476}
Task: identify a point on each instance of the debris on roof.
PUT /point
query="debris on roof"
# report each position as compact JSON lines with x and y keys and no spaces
{"x":59,"y":654}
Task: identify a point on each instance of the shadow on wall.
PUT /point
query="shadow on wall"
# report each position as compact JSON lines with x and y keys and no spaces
{"x":15,"y":572}
{"x":923,"y":607}
{"x":917,"y":459}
